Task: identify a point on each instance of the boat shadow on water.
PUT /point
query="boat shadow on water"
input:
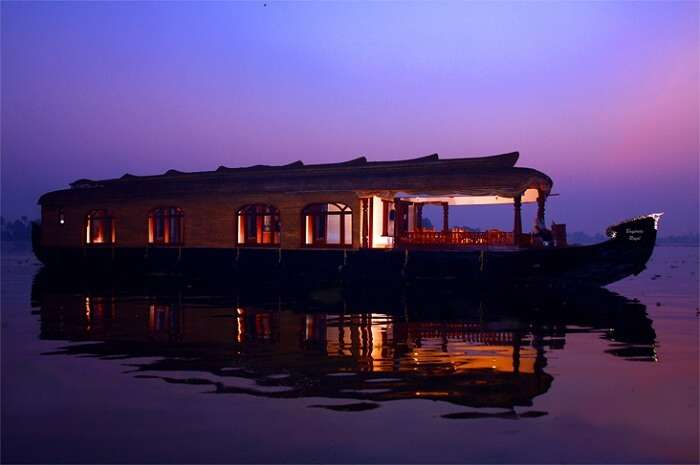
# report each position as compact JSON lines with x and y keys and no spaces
{"x":356,"y":348}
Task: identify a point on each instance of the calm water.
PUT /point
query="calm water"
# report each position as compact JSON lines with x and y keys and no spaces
{"x":172,"y":374}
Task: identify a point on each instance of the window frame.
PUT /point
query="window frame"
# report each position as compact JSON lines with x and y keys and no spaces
{"x":167,"y":218}
{"x":106,"y":216}
{"x":386,"y":217}
{"x":262,"y":210}
{"x":344,"y":211}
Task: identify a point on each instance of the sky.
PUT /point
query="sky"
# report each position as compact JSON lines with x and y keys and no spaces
{"x":601,"y":96}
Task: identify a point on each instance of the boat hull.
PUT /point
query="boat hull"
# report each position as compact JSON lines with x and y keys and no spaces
{"x":626,"y":253}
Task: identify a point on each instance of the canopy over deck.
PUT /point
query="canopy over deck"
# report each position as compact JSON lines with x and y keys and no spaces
{"x":430,"y":175}
{"x":529,"y":196}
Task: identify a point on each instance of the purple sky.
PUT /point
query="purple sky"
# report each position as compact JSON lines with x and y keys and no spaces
{"x":601,"y":96}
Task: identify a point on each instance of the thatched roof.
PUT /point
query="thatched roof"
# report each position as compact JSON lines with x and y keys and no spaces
{"x":495,"y":175}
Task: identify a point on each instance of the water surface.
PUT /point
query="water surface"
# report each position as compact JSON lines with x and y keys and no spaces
{"x":169,"y":373}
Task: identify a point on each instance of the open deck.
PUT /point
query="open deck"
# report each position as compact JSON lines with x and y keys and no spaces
{"x":457,"y":238}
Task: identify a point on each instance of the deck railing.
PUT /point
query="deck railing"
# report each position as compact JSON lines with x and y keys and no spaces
{"x":460,"y":238}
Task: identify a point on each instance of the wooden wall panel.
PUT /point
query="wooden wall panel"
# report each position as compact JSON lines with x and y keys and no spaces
{"x":209,"y":219}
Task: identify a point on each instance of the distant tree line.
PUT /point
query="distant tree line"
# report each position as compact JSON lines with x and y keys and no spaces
{"x":17,"y":231}
{"x":580,"y":237}
{"x":687,"y":239}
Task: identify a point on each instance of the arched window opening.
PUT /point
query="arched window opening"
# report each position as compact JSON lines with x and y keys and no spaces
{"x":327,"y":224}
{"x":258,"y":225}
{"x":165,"y":226}
{"x":99,"y":227}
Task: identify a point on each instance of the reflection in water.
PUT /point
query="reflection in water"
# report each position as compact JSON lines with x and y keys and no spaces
{"x":476,"y":351}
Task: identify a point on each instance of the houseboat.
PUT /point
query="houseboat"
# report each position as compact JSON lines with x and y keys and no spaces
{"x":356,"y":221}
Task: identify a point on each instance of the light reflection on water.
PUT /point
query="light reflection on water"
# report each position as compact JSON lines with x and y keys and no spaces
{"x":566,"y":366}
{"x":428,"y":343}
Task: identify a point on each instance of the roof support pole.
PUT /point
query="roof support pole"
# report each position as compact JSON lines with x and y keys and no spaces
{"x":365,"y":223}
{"x":517,"y":221}
{"x":541,"y":198}
{"x":419,"y":217}
{"x":398,"y":220}
{"x":445,"y":217}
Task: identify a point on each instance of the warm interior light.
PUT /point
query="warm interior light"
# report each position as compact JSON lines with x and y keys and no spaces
{"x":378,"y":240}
{"x":309,"y":230}
{"x":529,"y":196}
{"x":241,"y":229}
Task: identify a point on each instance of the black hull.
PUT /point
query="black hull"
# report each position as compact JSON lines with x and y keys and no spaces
{"x":625,"y":253}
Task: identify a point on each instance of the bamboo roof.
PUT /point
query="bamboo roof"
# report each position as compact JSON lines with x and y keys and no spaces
{"x":492,"y":175}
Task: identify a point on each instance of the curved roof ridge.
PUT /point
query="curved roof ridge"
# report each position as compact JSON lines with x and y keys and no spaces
{"x":492,"y":161}
{"x":494,"y":175}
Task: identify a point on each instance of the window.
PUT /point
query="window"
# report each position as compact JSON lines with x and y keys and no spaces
{"x":165,"y":226}
{"x":258,"y":225}
{"x":99,"y":227}
{"x":327,"y":224}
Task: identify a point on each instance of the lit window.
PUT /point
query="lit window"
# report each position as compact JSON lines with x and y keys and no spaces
{"x":165,"y":226}
{"x":327,"y":224}
{"x":258,"y":225}
{"x":99,"y":227}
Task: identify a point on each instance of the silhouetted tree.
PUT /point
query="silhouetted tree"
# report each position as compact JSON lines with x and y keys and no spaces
{"x":17,"y":230}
